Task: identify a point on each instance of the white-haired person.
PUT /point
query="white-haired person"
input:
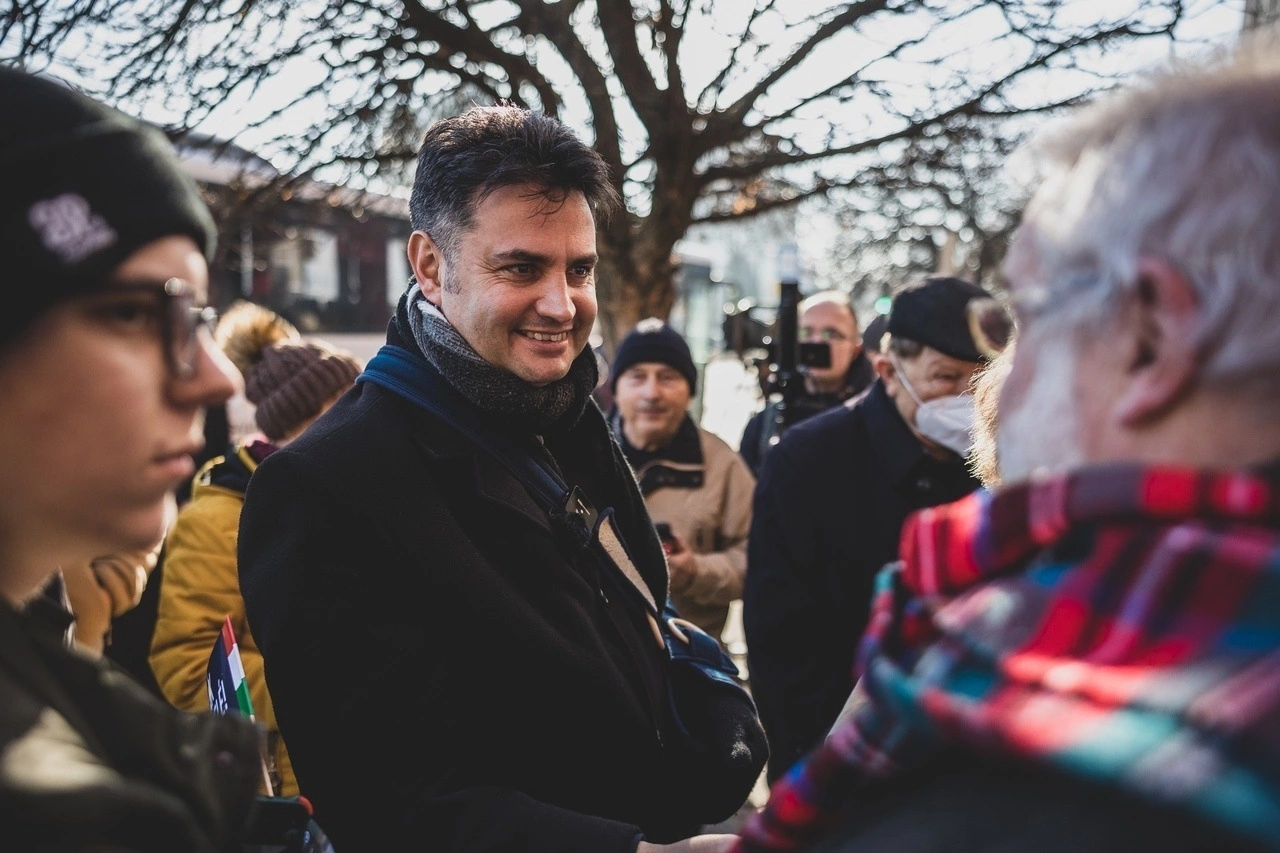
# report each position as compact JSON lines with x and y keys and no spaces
{"x":1088,"y":658}
{"x":105,"y":365}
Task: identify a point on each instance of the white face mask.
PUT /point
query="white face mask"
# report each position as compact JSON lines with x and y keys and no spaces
{"x":947,"y":421}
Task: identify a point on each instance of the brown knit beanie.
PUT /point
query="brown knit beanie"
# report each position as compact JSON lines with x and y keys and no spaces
{"x":286,"y":378}
{"x":293,"y":380}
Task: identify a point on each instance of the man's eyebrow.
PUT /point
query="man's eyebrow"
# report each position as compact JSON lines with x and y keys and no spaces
{"x":523,"y":256}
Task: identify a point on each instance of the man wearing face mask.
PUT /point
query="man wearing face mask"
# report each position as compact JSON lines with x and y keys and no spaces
{"x":831,"y":500}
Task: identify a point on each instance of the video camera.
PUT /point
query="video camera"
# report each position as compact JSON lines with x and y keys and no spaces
{"x":773,"y":345}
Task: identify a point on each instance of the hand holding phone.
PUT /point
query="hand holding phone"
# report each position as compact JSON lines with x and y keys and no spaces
{"x":668,"y":539}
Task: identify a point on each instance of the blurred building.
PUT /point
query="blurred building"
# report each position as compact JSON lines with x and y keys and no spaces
{"x":329,"y":258}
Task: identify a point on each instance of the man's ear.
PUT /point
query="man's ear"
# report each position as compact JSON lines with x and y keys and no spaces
{"x":1162,"y":351}
{"x":886,"y":370}
{"x":427,"y":262}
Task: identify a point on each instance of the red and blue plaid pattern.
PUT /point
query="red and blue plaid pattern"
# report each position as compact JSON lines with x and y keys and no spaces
{"x":1120,"y":623}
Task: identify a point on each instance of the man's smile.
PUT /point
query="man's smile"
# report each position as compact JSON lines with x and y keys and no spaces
{"x":552,"y":337}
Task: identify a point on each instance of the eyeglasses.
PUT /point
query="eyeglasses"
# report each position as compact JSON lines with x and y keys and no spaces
{"x":176,"y":315}
{"x":990,"y":326}
{"x":826,"y":335}
{"x":182,"y":321}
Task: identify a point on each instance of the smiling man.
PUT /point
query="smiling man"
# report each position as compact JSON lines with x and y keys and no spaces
{"x":450,"y":668}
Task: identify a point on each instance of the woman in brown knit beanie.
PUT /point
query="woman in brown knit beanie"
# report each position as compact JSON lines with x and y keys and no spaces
{"x":290,"y":382}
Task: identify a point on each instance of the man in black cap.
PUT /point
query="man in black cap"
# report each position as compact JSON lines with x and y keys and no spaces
{"x":697,"y":490}
{"x":831,"y":500}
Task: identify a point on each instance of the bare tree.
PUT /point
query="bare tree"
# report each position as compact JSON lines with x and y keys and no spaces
{"x":705,"y":110}
{"x":943,"y":205}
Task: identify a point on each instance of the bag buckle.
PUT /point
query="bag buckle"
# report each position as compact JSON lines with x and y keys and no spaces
{"x":675,"y":623}
{"x":581,"y":514}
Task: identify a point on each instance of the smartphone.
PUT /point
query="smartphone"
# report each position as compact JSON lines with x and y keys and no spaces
{"x":665,"y":534}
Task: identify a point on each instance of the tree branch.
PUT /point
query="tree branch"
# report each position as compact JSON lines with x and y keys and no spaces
{"x":618,"y":27}
{"x":476,"y":44}
{"x":552,"y":20}
{"x":737,"y":113}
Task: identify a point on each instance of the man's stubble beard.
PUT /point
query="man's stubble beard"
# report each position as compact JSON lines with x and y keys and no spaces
{"x":1042,"y":433}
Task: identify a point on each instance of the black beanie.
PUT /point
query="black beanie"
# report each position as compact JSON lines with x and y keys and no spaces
{"x":654,"y":341}
{"x":933,"y":312}
{"x":85,"y":187}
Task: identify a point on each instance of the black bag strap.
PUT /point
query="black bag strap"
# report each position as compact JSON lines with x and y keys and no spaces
{"x":412,"y":377}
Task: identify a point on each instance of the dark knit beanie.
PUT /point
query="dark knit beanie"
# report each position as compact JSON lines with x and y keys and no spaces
{"x":291,"y":382}
{"x":654,"y":341}
{"x":873,"y":334}
{"x":85,"y":187}
{"x":934,"y":312}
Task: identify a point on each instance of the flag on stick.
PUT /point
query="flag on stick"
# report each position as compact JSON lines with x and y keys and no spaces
{"x":228,"y":690}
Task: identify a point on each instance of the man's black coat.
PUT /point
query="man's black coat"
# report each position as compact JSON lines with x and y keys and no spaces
{"x":828,"y":509}
{"x":445,"y":674}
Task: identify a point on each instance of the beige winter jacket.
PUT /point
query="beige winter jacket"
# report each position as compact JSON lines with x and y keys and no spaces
{"x":713,"y":520}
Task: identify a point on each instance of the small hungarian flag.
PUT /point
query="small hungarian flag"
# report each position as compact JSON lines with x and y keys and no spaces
{"x":225,"y":676}
{"x":224,"y":679}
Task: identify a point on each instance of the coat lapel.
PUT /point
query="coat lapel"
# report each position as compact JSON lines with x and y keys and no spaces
{"x":489,"y":480}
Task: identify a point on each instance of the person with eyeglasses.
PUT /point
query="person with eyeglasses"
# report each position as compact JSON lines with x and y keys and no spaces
{"x":1087,"y":657}
{"x":826,"y":317}
{"x":106,"y":362}
{"x":831,"y":499}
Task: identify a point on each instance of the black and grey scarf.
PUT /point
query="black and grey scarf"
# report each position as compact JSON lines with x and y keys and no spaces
{"x":497,"y":391}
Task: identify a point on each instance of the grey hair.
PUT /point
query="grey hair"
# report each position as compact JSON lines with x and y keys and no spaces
{"x":1184,"y":168}
{"x":834,"y":297}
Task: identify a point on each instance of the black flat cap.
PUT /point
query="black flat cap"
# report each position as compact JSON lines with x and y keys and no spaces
{"x":933,"y":312}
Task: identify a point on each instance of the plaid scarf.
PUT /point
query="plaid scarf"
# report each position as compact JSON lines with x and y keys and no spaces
{"x":1120,"y":624}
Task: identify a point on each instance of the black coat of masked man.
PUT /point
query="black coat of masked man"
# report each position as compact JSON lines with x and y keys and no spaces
{"x":829,"y":506}
{"x":448,"y":671}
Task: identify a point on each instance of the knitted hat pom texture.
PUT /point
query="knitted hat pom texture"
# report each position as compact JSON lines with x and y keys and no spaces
{"x":286,"y":378}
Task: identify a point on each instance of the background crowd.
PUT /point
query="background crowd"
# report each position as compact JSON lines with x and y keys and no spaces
{"x":1008,"y":568}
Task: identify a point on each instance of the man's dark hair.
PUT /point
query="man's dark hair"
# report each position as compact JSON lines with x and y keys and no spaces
{"x":465,"y":158}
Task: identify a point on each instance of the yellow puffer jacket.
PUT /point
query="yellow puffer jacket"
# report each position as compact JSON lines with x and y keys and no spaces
{"x":199,"y":588}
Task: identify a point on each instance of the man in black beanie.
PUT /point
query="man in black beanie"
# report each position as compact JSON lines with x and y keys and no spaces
{"x":697,"y":490}
{"x":831,"y":500}
{"x":105,"y":366}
